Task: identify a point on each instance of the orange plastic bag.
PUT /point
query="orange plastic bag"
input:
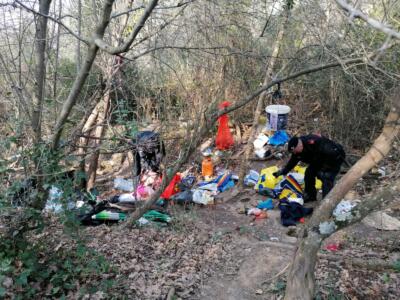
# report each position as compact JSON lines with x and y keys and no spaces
{"x":224,"y":139}
{"x":171,"y":189}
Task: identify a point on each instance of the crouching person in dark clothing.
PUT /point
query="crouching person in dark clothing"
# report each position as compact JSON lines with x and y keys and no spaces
{"x":324,"y":158}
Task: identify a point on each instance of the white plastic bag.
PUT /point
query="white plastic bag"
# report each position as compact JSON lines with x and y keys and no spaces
{"x":123,"y":184}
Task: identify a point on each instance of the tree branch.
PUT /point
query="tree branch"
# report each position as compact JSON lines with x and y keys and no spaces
{"x":292,"y":76}
{"x":354,"y":13}
{"x":54,"y":20}
{"x":138,"y":27}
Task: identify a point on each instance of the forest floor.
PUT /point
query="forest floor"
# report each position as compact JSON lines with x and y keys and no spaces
{"x":217,"y":253}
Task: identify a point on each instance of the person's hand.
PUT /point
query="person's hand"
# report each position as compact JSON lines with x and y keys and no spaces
{"x":277,"y":174}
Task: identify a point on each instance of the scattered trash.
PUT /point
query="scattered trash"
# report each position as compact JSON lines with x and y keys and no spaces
{"x":207,"y":152}
{"x":292,"y":212}
{"x":298,"y":200}
{"x":187,"y":183}
{"x":123,"y":184}
{"x":126,"y":198}
{"x":203,"y":197}
{"x":108,"y":215}
{"x":327,"y":227}
{"x":381,"y":220}
{"x":152,"y":179}
{"x":142,"y":221}
{"x":172,"y":187}
{"x":291,"y":184}
{"x":277,"y":116}
{"x":54,"y":202}
{"x":259,"y":146}
{"x":332,"y":247}
{"x":279,"y":138}
{"x":207,"y":168}
{"x":224,"y":139}
{"x":222,"y":182}
{"x":381,"y":171}
{"x":262,"y":153}
{"x":254,"y":211}
{"x":268,"y":192}
{"x":299,"y":177}
{"x":148,"y":151}
{"x":153,"y":215}
{"x":266,"y":179}
{"x":183,"y":197}
{"x":251,"y":178}
{"x":268,"y":204}
{"x":143,"y":192}
{"x":262,"y":215}
{"x":274,"y":239}
{"x":210,"y":186}
{"x":342,"y":212}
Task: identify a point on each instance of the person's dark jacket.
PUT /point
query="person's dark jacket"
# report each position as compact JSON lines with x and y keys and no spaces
{"x":319,"y":152}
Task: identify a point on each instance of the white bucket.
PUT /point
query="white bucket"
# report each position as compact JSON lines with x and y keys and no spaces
{"x":277,"y":116}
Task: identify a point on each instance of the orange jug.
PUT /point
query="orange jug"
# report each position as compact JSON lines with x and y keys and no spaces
{"x":207,"y":168}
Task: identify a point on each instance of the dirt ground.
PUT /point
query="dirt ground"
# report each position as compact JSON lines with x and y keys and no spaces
{"x":215,"y":252}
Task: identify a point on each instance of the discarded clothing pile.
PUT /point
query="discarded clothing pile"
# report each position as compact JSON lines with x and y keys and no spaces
{"x":292,"y":212}
{"x":205,"y":192}
{"x":288,"y":189}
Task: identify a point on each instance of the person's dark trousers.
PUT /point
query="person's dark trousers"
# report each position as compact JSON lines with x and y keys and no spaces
{"x":309,"y":180}
{"x":328,"y":179}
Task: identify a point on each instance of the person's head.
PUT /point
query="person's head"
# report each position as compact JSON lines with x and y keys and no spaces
{"x":295,"y":145}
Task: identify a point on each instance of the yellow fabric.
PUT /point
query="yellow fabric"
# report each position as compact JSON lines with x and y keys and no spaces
{"x":286,"y":193}
{"x":302,"y":170}
{"x":266,"y":179}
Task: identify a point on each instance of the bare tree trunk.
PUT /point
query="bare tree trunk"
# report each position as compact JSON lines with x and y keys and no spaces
{"x":40,"y":72}
{"x":82,"y":75}
{"x":55,"y":76}
{"x":78,"y":46}
{"x":263,"y":96}
{"x":37,"y":102}
{"x":94,"y":44}
{"x":83,"y":141}
{"x":300,"y":283}
{"x":99,"y":132}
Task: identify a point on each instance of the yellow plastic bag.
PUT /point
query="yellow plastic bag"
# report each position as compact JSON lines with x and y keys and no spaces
{"x":266,"y":179}
{"x":302,"y":170}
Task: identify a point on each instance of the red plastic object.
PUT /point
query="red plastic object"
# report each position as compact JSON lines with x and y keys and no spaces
{"x":302,"y":220}
{"x":262,"y":215}
{"x":171,"y":189}
{"x":332,"y":247}
{"x":224,"y":139}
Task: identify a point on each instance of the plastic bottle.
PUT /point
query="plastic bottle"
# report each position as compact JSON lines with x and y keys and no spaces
{"x":108,"y":215}
{"x":207,"y":168}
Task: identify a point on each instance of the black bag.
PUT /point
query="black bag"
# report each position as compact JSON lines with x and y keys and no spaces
{"x":148,"y":151}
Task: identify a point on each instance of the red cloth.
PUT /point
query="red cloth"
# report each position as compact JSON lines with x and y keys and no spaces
{"x":224,"y":139}
{"x":171,"y":189}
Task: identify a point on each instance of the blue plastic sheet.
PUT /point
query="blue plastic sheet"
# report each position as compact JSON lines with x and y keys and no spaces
{"x":279,"y":138}
{"x":267,"y":204}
